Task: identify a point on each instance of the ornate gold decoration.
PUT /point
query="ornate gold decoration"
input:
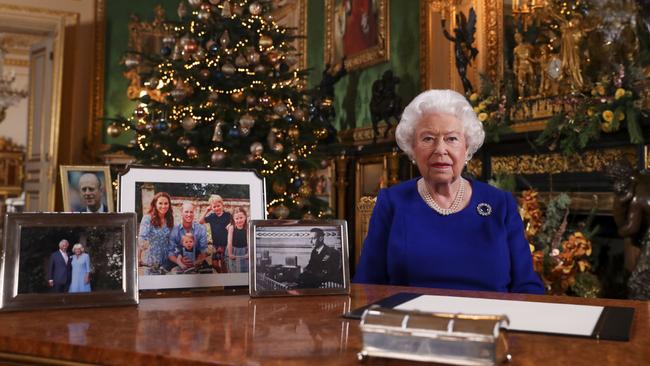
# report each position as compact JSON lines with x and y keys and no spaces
{"x":365,"y":205}
{"x":16,"y":62}
{"x":364,"y":135}
{"x":437,"y":63}
{"x":341,"y":184}
{"x":95,"y":132}
{"x":529,"y":109}
{"x":370,"y":56}
{"x":589,"y":161}
{"x":293,"y":14}
{"x":475,"y":167}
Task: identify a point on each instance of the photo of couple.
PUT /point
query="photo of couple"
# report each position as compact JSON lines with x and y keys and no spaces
{"x":49,"y":263}
{"x":191,"y":229}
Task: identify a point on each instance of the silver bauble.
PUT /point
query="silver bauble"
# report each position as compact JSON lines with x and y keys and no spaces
{"x":277,"y":147}
{"x":178,"y":94}
{"x":247,"y":121}
{"x":217,"y":157}
{"x":228,"y":69}
{"x":194,"y":3}
{"x":188,"y":123}
{"x":280,"y":108}
{"x":244,"y":131}
{"x":255,"y":8}
{"x":253,"y":57}
{"x":257,"y":148}
{"x":292,"y":157}
{"x":226,"y":11}
{"x":240,"y":61}
{"x":203,"y":15}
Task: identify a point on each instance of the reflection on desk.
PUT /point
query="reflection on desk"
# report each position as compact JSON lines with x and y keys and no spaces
{"x":236,"y":329}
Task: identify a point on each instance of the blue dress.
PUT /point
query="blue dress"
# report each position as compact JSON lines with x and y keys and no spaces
{"x":80,"y":267}
{"x":409,"y":244}
{"x":158,"y":238}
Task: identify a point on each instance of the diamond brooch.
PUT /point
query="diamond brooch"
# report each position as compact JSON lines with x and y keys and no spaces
{"x":484,"y":209}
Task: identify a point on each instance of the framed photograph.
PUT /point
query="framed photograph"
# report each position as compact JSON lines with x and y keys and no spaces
{"x":66,"y":260}
{"x":357,"y":30}
{"x":86,"y":188}
{"x":322,"y":184}
{"x":192,"y":224}
{"x":299,"y":257}
{"x":292,"y":14}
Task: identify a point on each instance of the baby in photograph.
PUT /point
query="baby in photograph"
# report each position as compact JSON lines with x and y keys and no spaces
{"x":185,"y":254}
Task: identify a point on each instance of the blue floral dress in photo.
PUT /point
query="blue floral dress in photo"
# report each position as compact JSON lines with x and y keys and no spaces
{"x":158,"y":238}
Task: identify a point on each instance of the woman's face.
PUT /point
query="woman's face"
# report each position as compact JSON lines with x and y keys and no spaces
{"x":77,"y":251}
{"x":162,"y":205}
{"x":240,"y":220}
{"x":439,"y":148}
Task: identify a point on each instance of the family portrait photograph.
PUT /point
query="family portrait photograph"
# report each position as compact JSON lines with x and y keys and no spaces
{"x":86,"y":189}
{"x":69,"y":258}
{"x":193,"y":234}
{"x":299,"y":257}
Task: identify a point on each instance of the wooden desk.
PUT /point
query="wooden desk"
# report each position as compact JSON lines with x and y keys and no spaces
{"x":242,"y":331}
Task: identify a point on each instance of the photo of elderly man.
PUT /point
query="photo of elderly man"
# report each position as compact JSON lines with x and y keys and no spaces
{"x":90,"y":189}
{"x":59,"y":268}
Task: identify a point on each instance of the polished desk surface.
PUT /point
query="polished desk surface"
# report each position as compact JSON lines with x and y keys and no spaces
{"x":238,"y":330}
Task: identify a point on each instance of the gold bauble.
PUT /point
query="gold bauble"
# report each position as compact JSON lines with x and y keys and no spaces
{"x":266,"y":41}
{"x":321,"y":133}
{"x":188,"y":123}
{"x":304,"y":190}
{"x":293,"y":132}
{"x":114,"y":130}
{"x":237,"y":97}
{"x":192,"y":152}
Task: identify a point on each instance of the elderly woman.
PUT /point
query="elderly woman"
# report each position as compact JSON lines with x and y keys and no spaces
{"x":442,"y":230}
{"x":80,"y":261}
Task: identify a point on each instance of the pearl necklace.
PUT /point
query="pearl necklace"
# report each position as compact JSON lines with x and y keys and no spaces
{"x":455,"y":205}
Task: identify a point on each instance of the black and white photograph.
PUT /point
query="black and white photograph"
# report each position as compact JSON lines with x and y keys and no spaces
{"x":61,"y":259}
{"x":299,"y":257}
{"x":192,"y":225}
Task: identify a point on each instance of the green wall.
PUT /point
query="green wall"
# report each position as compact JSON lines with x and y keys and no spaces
{"x":353,"y":92}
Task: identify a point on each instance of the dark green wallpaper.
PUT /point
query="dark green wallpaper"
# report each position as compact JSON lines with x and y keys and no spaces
{"x":352,"y":92}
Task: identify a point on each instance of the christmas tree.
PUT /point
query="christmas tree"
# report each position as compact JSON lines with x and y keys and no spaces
{"x":224,"y":93}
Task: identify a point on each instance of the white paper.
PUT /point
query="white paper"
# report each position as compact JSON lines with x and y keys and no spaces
{"x":525,"y":316}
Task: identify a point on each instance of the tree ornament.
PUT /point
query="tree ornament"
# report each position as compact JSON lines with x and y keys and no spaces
{"x":251,"y":100}
{"x":224,"y":40}
{"x":291,"y":59}
{"x":203,"y":15}
{"x":297,"y":182}
{"x":281,"y":211}
{"x":260,"y":69}
{"x":237,"y":9}
{"x":181,"y":10}
{"x":169,"y":41}
{"x":217,"y":136}
{"x":303,"y":174}
{"x":277,"y":147}
{"x":139,"y":112}
{"x":255,"y":8}
{"x":140,"y":126}
{"x":213,"y":96}
{"x":293,"y":132}
{"x":270,"y":138}
{"x":214,"y":2}
{"x":249,"y":159}
{"x":190,"y":46}
{"x":237,"y":97}
{"x":188,"y":123}
{"x":194,"y":3}
{"x":292,"y":157}
{"x":200,"y":54}
{"x":152,"y":83}
{"x":165,"y":51}
{"x":324,"y":163}
{"x":280,"y":108}
{"x":114,"y":130}
{"x":299,"y":114}
{"x":234,"y":133}
{"x":253,"y":57}
{"x":204,"y":74}
{"x":266,"y":41}
{"x":228,"y":69}
{"x":240,"y":61}
{"x":289,"y":118}
{"x":257,"y":148}
{"x":213,"y":48}
{"x":244,"y":131}
{"x":321,"y":133}
{"x":273,"y":57}
{"x":218,"y":157}
{"x":247,"y":121}
{"x":184,"y":141}
{"x":226,"y":11}
{"x":178,"y":94}
{"x":279,"y":187}
{"x":192,"y":152}
{"x":265,"y":101}
{"x":177,"y":54}
{"x":162,"y":125}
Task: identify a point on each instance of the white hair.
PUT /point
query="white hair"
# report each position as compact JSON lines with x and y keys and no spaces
{"x":80,"y":246}
{"x":439,"y":101}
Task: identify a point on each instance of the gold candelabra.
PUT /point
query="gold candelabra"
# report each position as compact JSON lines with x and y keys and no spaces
{"x":523,"y":10}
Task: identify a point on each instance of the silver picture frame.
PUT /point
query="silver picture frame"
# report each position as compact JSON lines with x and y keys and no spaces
{"x":31,"y":241}
{"x":298,"y":257}
{"x":139,"y":185}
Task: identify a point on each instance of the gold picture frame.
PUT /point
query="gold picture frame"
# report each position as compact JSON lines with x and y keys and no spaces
{"x":358,"y":31}
{"x":437,"y":63}
{"x":292,"y":14}
{"x":72,"y":194}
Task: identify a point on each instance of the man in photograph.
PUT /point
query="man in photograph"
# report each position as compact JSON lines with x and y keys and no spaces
{"x":199,"y":233}
{"x":324,"y":263}
{"x":90,"y":188}
{"x":59,"y":268}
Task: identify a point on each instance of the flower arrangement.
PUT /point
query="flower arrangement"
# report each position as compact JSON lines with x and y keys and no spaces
{"x":562,"y":259}
{"x":491,"y":108}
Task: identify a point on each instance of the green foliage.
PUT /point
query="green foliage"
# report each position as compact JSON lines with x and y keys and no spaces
{"x":554,"y":216}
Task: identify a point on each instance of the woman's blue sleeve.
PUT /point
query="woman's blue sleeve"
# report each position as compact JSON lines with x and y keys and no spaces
{"x":87,"y":263}
{"x":372,"y":267}
{"x":145,"y":225}
{"x":523,"y":277}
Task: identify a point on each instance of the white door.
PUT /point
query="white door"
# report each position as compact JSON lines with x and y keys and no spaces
{"x":42,"y":133}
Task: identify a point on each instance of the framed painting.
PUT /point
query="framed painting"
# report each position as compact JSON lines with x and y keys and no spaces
{"x":357,"y":31}
{"x":86,"y":188}
{"x":192,"y":224}
{"x":292,"y":14}
{"x":299,"y":257}
{"x":67,"y":260}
